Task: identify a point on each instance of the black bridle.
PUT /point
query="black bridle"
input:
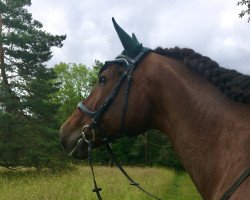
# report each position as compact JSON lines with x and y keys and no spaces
{"x":130,"y":65}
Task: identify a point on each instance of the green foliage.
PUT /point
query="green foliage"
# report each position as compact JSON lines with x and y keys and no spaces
{"x":76,"y":82}
{"x":152,"y":148}
{"x":28,"y":127}
{"x":35,"y":100}
{"x":246,"y":11}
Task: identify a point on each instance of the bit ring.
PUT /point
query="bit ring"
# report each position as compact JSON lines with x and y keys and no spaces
{"x":84,"y":135}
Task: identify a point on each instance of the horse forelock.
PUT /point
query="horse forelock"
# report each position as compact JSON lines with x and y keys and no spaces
{"x":232,"y":83}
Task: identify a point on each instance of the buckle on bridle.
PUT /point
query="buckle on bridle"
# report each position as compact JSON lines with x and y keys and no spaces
{"x":94,"y":120}
{"x":84,"y":135}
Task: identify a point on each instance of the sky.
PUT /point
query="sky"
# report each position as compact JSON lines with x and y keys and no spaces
{"x":210,"y":27}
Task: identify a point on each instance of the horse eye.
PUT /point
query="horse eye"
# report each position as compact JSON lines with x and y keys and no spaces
{"x":102,"y":80}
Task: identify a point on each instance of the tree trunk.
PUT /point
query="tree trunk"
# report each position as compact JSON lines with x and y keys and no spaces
{"x":146,"y":148}
{"x":3,"y":74}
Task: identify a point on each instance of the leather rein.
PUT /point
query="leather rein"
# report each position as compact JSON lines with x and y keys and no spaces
{"x":130,"y":65}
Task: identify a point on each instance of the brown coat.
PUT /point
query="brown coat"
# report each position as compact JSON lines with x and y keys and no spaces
{"x":209,"y":131}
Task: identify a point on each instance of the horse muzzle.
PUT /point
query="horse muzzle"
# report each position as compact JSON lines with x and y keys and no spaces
{"x":76,"y":144}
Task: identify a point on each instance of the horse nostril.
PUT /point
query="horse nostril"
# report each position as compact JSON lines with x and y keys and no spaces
{"x":69,"y":140}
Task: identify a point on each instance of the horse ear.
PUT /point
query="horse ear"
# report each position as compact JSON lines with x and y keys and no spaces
{"x":131,"y":46}
{"x":134,"y":37}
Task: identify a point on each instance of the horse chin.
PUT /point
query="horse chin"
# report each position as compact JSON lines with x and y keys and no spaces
{"x":81,"y":151}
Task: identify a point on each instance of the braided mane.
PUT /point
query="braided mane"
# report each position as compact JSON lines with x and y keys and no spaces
{"x":232,"y":83}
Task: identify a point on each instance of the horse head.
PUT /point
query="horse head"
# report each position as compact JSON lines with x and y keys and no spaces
{"x":119,"y":104}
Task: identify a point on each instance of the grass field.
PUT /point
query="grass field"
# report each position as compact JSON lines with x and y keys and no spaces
{"x":77,"y":184}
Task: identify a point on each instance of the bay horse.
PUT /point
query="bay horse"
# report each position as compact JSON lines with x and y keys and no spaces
{"x":203,"y":108}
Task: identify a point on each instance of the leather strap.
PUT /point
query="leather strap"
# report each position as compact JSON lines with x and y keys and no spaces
{"x":96,"y":189}
{"x":132,"y":182}
{"x":83,"y":108}
{"x":236,"y":184}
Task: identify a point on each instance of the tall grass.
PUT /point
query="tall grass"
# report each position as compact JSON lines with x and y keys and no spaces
{"x":77,"y":184}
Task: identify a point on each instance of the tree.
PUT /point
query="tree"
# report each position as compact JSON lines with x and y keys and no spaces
{"x":76,"y":82}
{"x":27,"y":118}
{"x":246,"y":10}
{"x":154,"y":147}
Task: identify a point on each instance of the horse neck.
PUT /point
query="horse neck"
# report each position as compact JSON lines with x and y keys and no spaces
{"x":199,"y":121}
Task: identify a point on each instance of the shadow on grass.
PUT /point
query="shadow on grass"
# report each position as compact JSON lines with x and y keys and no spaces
{"x":182,"y":188}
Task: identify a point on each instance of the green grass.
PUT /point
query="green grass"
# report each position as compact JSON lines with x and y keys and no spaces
{"x":77,"y":184}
